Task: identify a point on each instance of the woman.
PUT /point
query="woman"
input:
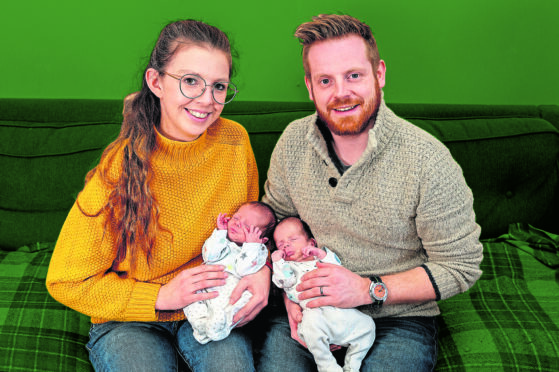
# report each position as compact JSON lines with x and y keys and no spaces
{"x":129,"y":253}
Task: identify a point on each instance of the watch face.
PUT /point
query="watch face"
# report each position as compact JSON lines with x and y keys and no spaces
{"x":379,"y":291}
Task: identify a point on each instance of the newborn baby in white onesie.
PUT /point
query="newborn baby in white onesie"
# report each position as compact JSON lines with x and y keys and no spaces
{"x":238,"y":243}
{"x":297,"y":254}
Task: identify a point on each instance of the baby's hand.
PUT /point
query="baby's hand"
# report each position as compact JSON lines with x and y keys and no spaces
{"x":278,"y":255}
{"x":311,"y":250}
{"x":252,"y":234}
{"x":222,"y":221}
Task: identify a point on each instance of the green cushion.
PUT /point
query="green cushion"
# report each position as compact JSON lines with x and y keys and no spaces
{"x":43,"y":168}
{"x":508,"y":321}
{"x":36,"y":332}
{"x":511,"y":166}
{"x":18,"y":226}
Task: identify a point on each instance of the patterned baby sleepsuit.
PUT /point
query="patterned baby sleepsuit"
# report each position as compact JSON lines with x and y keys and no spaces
{"x":326,"y":325}
{"x":212,"y":320}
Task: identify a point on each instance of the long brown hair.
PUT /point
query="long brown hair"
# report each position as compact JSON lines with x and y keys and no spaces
{"x":131,"y":208}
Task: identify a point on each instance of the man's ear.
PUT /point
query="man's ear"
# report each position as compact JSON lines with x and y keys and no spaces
{"x":309,"y":87}
{"x":313,"y":242}
{"x":153,"y":79}
{"x":381,"y":74}
{"x":264,"y":240}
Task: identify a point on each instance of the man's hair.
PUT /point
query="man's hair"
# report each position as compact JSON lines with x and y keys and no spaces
{"x":333,"y":26}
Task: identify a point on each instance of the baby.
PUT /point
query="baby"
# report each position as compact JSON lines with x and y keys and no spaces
{"x":238,"y":243}
{"x":297,"y":254}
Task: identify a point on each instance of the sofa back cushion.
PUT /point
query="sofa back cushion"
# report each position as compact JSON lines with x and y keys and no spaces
{"x":48,"y":147}
{"x":509,"y":155}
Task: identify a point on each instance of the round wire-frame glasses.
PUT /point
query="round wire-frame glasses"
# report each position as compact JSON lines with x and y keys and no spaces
{"x":193,"y":86}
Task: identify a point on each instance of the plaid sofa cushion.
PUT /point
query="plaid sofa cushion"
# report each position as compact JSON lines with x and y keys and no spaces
{"x":36,"y":332}
{"x":508,"y":321}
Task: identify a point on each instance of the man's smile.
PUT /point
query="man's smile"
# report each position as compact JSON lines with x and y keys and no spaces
{"x":345,"y":109}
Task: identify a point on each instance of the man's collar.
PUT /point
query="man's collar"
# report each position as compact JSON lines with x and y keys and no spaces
{"x":325,"y":136}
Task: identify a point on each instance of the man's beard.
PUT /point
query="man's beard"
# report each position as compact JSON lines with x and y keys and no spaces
{"x":351,"y":125}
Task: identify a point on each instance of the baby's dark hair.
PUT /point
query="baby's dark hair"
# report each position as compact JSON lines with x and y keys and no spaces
{"x":304,"y":226}
{"x":306,"y":229}
{"x":268,"y":229}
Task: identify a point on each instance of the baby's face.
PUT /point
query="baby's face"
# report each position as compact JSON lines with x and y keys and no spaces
{"x":243,"y":219}
{"x":291,"y":239}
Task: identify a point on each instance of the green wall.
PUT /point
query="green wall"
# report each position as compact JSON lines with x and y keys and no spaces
{"x":440,"y":51}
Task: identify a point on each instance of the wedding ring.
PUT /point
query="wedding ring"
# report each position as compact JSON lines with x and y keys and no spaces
{"x":321,"y":293}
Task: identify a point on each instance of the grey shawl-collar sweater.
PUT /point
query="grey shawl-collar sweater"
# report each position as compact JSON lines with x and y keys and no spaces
{"x":402,"y":205}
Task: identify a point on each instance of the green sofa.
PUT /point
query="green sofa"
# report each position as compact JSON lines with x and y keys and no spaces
{"x":508,"y":321}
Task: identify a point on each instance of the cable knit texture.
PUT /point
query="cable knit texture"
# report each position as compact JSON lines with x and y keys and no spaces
{"x":402,"y":205}
{"x":193,"y":182}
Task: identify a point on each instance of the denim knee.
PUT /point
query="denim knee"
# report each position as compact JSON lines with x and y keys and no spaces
{"x":403,"y":344}
{"x":280,"y":352}
{"x":132,"y":346}
{"x":234,"y":353}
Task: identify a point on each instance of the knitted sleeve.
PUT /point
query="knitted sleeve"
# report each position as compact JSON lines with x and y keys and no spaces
{"x":446,"y":225}
{"x":276,"y":189}
{"x":253,"y":187}
{"x":79,"y":274}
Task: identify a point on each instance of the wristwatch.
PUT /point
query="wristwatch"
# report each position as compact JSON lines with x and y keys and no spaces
{"x":377,"y":291}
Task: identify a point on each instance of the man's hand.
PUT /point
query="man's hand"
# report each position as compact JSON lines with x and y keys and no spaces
{"x":259,"y":285}
{"x":340,"y":287}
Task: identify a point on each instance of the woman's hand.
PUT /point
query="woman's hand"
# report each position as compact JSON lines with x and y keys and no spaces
{"x":183,"y":289}
{"x":259,"y":285}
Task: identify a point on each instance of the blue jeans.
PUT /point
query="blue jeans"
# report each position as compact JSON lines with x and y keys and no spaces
{"x":401,"y":344}
{"x":161,"y":346}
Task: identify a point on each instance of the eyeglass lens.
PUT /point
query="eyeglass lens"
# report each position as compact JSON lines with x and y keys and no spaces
{"x":193,"y":86}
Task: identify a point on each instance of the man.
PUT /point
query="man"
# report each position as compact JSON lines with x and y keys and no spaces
{"x":384,"y":195}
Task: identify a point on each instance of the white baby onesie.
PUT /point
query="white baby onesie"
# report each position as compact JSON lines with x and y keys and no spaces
{"x":326,"y":325}
{"x":212,"y":320}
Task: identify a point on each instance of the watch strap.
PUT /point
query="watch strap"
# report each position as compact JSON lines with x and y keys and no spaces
{"x":377,"y":303}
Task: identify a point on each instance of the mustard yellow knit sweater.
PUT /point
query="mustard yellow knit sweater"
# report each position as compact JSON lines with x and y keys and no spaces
{"x":193,"y":182}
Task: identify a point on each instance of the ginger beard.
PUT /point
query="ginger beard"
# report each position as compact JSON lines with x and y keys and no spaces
{"x":355,"y":124}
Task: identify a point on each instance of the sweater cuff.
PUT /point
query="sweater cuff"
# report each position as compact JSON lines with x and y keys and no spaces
{"x":269,"y":264}
{"x":142,"y":302}
{"x":435,"y":286}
